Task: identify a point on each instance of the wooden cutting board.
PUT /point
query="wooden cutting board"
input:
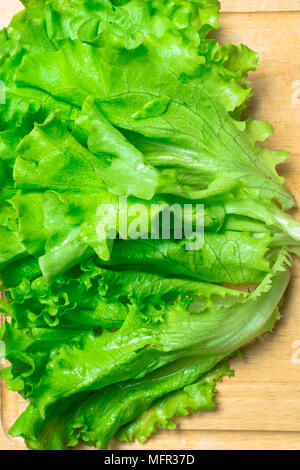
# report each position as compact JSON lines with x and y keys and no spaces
{"x":260,"y":407}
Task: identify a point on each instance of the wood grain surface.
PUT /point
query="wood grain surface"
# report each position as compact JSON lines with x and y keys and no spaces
{"x":260,"y":407}
{"x":260,"y":5}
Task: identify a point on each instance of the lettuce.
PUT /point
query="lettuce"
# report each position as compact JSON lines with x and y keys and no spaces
{"x":115,"y":336}
{"x":232,"y":257}
{"x":193,"y":398}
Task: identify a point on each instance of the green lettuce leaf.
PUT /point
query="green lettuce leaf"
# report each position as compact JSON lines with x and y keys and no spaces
{"x":210,"y":337}
{"x":225,"y":257}
{"x":91,"y":297}
{"x":112,"y":333}
{"x":174,"y":333}
{"x":165,"y":109}
{"x":192,"y":398}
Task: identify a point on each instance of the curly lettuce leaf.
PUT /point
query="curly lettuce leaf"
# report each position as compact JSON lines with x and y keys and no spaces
{"x":142,"y":345}
{"x":225,"y":257}
{"x":154,"y":89}
{"x":109,"y":98}
{"x":29,"y":350}
{"x":91,"y":297}
{"x":95,"y":417}
{"x":210,"y":337}
{"x":198,"y":396}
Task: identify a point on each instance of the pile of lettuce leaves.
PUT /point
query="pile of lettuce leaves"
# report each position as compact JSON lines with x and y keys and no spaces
{"x":133,"y":98}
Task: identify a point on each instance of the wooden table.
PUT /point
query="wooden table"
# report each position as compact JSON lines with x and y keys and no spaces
{"x":260,"y":407}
